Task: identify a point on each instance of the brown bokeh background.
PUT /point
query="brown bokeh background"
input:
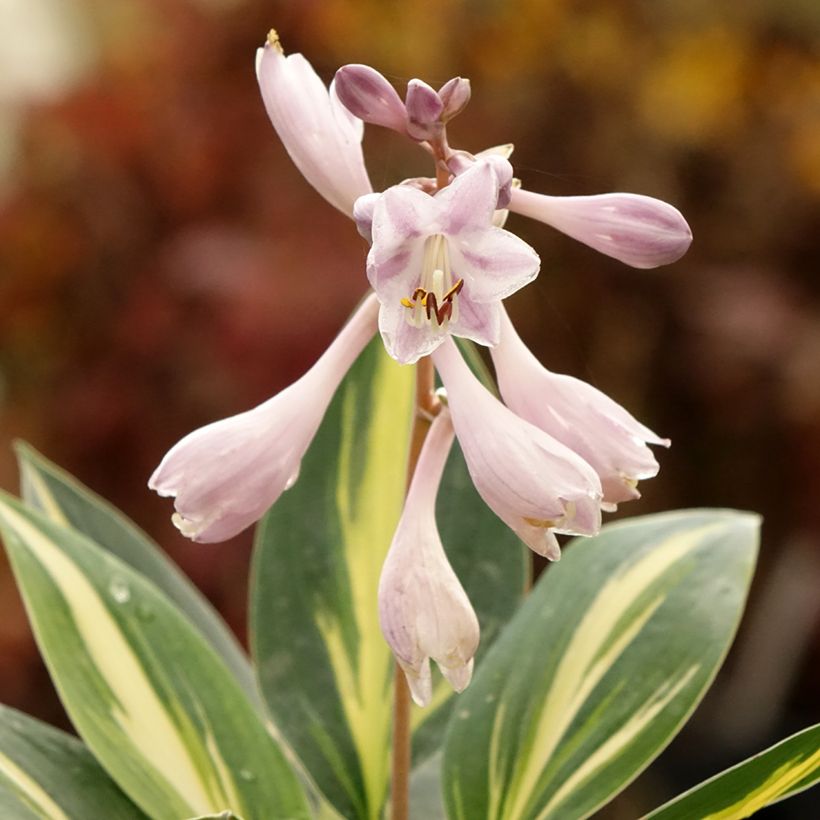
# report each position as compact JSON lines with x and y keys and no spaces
{"x":162,"y":264}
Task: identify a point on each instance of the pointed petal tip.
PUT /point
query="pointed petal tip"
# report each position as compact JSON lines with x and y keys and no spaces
{"x":458,"y":677}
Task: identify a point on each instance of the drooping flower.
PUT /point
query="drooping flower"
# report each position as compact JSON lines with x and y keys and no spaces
{"x":323,"y":138}
{"x":440,"y":266}
{"x":534,"y":483}
{"x":578,"y":415}
{"x":224,"y":476}
{"x":423,"y":609}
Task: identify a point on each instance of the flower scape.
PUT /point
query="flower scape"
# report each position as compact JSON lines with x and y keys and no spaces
{"x":548,"y":457}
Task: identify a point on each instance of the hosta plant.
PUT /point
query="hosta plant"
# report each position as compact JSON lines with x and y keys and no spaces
{"x":401,"y":664}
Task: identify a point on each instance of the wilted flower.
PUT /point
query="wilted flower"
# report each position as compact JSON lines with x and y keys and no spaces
{"x":423,"y":609}
{"x":532,"y":482}
{"x":440,"y":266}
{"x":224,"y":476}
{"x":583,"y":418}
{"x":323,"y":138}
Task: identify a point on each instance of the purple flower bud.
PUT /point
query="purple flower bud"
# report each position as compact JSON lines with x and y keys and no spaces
{"x":454,"y":94}
{"x":423,"y":110}
{"x":369,"y":96}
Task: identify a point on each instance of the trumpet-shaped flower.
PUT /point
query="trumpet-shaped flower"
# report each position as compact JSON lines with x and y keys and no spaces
{"x":224,"y":476}
{"x":440,"y":266}
{"x":423,"y":609}
{"x":578,"y":415}
{"x":323,"y":138}
{"x":534,"y":483}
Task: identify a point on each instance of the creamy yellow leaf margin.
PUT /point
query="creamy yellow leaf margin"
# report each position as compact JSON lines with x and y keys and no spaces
{"x":137,"y":710}
{"x":31,"y":791}
{"x":366,"y":531}
{"x":591,"y":652}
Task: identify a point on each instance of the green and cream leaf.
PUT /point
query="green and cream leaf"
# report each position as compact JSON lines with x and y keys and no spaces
{"x":63,"y":499}
{"x":781,"y":771}
{"x":46,"y":773}
{"x":600,"y":667}
{"x":151,"y":699}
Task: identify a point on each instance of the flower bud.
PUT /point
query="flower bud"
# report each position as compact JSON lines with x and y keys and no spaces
{"x":638,"y":230}
{"x":454,"y":94}
{"x":423,"y":110}
{"x":369,"y":96}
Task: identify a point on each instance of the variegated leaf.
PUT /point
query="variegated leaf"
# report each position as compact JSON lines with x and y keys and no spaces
{"x":600,"y":668}
{"x":48,"y":488}
{"x":324,"y":667}
{"x":151,"y":699}
{"x":781,"y":771}
{"x":46,"y":773}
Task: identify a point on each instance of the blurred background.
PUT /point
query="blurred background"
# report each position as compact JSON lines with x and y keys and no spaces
{"x":162,"y":265}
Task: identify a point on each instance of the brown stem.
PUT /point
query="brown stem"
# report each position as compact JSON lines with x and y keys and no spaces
{"x":427,"y":406}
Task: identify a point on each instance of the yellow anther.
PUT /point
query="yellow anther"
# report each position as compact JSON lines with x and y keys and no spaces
{"x":273,"y":41}
{"x":407,"y":303}
{"x":540,"y":522}
{"x":454,"y":291}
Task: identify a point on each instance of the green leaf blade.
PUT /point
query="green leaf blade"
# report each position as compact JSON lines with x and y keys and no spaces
{"x":324,"y":668}
{"x":45,"y":772}
{"x":779,"y":772}
{"x":600,"y":667}
{"x":151,"y":699}
{"x":58,"y":495}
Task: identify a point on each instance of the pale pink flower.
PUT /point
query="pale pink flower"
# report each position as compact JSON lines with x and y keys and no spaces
{"x":423,"y":609}
{"x":532,"y":482}
{"x":439,"y":265}
{"x":323,"y":138}
{"x":638,"y":230}
{"x":224,"y":476}
{"x":583,"y":418}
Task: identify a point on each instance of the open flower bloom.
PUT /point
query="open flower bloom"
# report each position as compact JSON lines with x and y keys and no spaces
{"x":532,"y":482}
{"x":583,"y":418}
{"x":423,"y":609}
{"x":225,"y":475}
{"x":323,"y":138}
{"x":440,"y":266}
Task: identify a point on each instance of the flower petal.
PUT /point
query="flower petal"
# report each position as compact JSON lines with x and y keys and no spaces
{"x":494,"y":263}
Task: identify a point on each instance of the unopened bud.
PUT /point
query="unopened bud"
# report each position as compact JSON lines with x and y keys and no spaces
{"x":424,"y":108}
{"x":454,"y":94}
{"x":370,"y":97}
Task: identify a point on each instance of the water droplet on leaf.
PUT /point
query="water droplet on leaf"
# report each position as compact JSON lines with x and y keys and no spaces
{"x":119,"y":590}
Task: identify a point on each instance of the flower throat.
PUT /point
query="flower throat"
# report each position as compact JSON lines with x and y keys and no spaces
{"x":434,"y":300}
